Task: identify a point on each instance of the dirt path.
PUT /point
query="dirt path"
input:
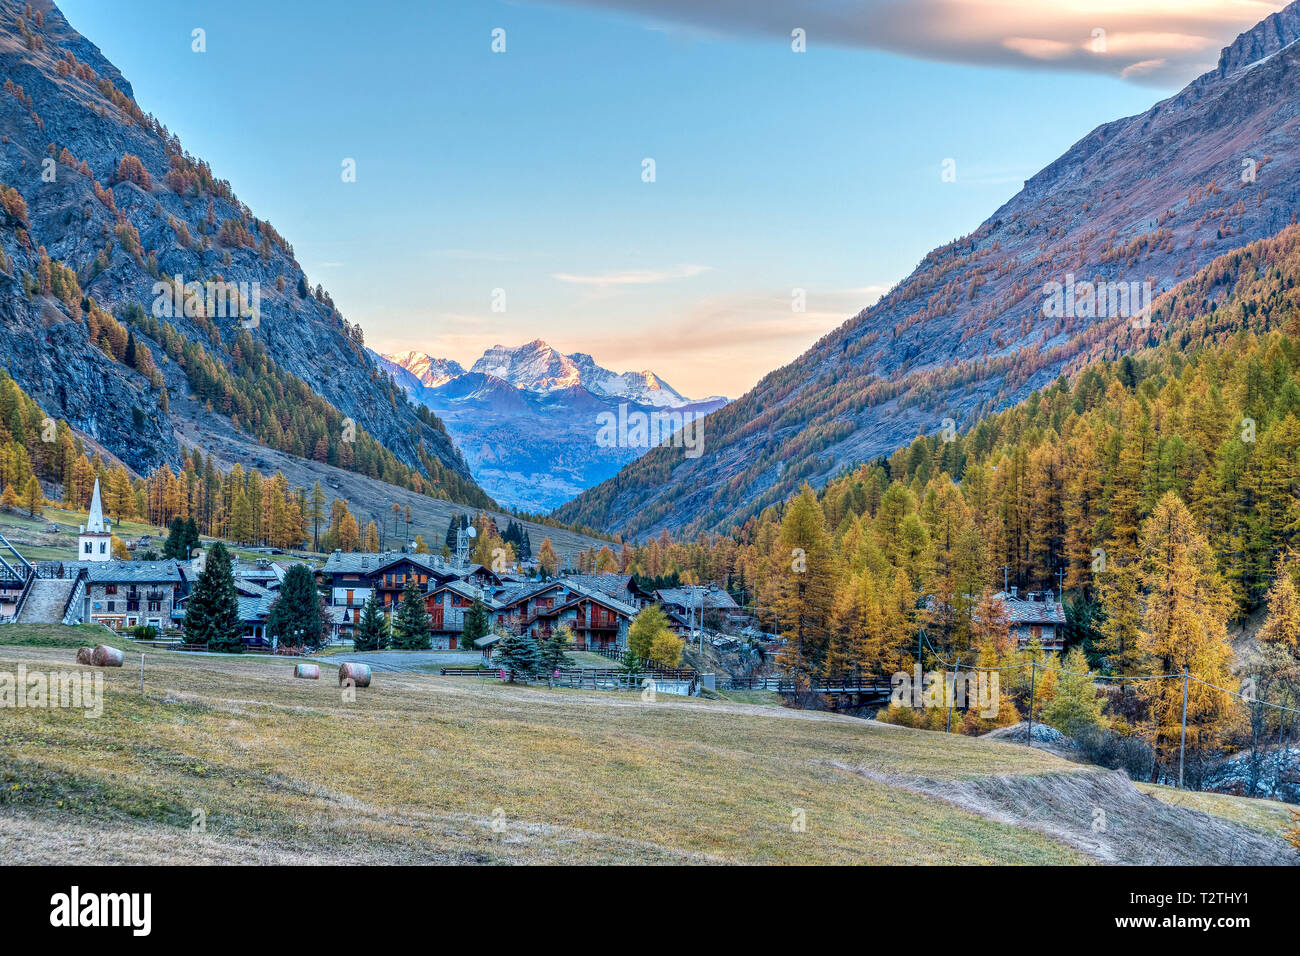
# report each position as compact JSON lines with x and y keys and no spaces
{"x":1102,"y":814}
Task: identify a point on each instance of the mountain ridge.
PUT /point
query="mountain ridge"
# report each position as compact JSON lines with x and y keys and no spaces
{"x":1149,"y":198}
{"x":109,"y":194}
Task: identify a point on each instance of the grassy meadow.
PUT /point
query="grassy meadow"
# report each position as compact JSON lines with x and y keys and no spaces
{"x":420,"y":768}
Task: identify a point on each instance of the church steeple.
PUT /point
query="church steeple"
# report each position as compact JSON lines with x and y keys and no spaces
{"x":95,"y":524}
{"x":95,"y":543}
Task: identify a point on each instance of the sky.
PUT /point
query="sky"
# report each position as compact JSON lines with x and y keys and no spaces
{"x":502,"y":197}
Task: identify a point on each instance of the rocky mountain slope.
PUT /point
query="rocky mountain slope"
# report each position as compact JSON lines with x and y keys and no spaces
{"x":103,"y":210}
{"x":984,"y":320}
{"x":527,"y":418}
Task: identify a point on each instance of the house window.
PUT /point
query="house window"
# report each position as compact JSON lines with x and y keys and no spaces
{"x":103,"y":546}
{"x":111,"y":605}
{"x":110,"y":588}
{"x":89,"y":548}
{"x":155,"y":607}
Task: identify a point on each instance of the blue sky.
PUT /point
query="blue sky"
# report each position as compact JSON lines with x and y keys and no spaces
{"x":522,"y":171}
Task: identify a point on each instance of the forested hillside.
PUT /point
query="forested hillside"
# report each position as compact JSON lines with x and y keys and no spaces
{"x":1145,"y":200}
{"x":101,"y":208}
{"x":1160,"y":489}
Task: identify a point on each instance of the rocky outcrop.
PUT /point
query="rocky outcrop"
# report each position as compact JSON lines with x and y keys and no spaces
{"x":1275,"y":31}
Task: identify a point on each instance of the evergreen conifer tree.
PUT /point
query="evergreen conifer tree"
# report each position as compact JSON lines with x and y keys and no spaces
{"x":296,"y":617}
{"x":372,"y":629}
{"x":476,"y":624}
{"x":412,"y":622}
{"x":518,"y":655}
{"x":212,"y":611}
{"x":552,"y":653}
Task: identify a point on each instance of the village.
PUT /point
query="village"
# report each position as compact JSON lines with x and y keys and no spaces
{"x":470,"y":607}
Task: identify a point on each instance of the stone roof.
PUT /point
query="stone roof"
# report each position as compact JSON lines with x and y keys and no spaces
{"x":357,"y":562}
{"x":464,"y":589}
{"x":138,"y":572}
{"x":615,"y":585}
{"x":254,"y":609}
{"x":603,"y":597}
{"x":512,"y":595}
{"x":1024,"y":610}
{"x":714,"y":598}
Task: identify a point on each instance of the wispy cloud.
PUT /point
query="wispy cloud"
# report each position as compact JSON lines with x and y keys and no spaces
{"x":1161,"y":42}
{"x":632,"y":277}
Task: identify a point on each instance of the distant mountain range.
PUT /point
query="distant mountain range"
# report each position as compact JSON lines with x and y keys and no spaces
{"x":1144,"y":202}
{"x":527,"y":418}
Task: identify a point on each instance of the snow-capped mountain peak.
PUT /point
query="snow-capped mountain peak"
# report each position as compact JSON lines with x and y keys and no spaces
{"x":535,"y":367}
{"x":537,"y":409}
{"x":429,"y":370}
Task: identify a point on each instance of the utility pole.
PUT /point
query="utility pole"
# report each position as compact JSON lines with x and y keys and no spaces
{"x":701,"y":594}
{"x":1182,"y":747}
{"x":1033,"y":682}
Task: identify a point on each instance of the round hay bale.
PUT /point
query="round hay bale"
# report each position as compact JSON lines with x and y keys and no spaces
{"x":105,"y":656}
{"x":307,"y":671}
{"x":85,"y":655}
{"x":359,"y":674}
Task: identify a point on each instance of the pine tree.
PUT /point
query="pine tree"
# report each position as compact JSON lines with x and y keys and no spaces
{"x":1121,"y":621}
{"x":175,"y":545}
{"x":315,"y":513}
{"x":297,"y":618}
{"x":1076,"y":706}
{"x":518,"y":655}
{"x":372,"y":628}
{"x":1282,"y":626}
{"x":412,"y":623}
{"x":548,"y":563}
{"x":629,"y":663}
{"x":552,"y":654}
{"x":806,"y":576}
{"x":212,"y":610}
{"x":33,"y":498}
{"x":476,"y":624}
{"x":1183,"y":626}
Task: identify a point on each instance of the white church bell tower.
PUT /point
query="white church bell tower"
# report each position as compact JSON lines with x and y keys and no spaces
{"x":95,"y":543}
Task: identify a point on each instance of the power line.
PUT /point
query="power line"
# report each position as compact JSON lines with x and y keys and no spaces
{"x":1115,"y":677}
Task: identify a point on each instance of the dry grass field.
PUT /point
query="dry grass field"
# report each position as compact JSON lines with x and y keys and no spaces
{"x":426,"y":769}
